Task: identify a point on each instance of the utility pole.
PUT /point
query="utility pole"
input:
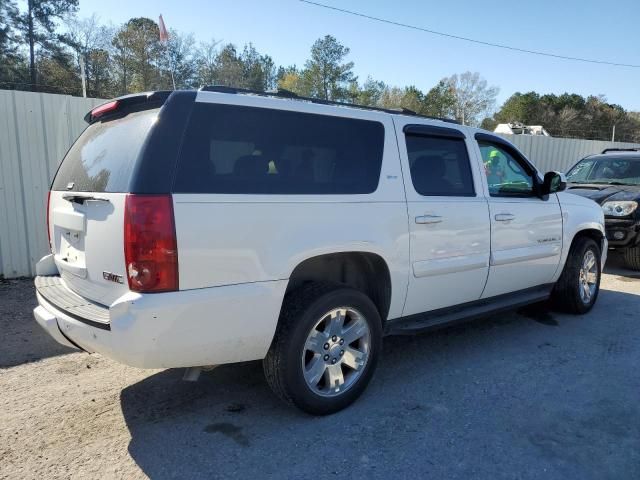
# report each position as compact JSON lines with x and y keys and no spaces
{"x":173,"y":80}
{"x":613,"y":134}
{"x":84,"y":77}
{"x":32,"y":55}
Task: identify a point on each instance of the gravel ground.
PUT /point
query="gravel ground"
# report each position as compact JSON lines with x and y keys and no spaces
{"x":524,"y":395}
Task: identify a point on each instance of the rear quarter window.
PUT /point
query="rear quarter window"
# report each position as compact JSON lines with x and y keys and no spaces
{"x":103,"y":157}
{"x":246,"y":150}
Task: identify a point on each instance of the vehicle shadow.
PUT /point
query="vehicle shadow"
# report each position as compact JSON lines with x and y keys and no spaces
{"x":22,"y":340}
{"x":616,"y":266}
{"x":493,"y":389}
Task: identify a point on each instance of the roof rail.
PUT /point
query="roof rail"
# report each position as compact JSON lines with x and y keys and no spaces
{"x":606,"y":150}
{"x":282,"y":93}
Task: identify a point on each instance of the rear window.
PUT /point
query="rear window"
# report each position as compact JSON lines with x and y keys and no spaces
{"x":103,"y":157}
{"x":245,"y":150}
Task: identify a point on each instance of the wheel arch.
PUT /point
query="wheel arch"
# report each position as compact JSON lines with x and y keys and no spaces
{"x":593,"y":230}
{"x":590,"y":232}
{"x":590,"y":229}
{"x":365,"y":271}
{"x":565,"y":296}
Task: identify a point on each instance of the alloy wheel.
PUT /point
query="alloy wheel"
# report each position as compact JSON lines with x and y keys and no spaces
{"x":336,"y":351}
{"x":588,"y":277}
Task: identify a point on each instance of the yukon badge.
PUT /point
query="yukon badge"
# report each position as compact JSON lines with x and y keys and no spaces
{"x":547,"y":240}
{"x":112,"y":277}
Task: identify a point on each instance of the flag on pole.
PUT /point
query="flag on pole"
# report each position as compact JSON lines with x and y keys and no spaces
{"x":164,"y":38}
{"x":164,"y":35}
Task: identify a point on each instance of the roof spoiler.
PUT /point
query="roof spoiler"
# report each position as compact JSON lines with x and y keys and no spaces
{"x":607,"y":150}
{"x":121,"y":106}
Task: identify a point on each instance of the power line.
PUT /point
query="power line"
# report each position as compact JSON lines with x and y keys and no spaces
{"x":466,"y":39}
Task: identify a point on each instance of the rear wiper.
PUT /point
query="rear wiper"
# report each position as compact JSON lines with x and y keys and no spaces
{"x":84,"y":198}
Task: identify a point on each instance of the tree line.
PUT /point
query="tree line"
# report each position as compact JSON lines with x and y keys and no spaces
{"x":569,"y":115}
{"x":44,"y":46}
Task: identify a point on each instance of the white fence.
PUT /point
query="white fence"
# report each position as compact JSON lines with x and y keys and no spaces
{"x":551,"y":153}
{"x":36,"y":129}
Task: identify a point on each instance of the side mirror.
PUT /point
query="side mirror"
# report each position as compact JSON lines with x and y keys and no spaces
{"x":553,"y":182}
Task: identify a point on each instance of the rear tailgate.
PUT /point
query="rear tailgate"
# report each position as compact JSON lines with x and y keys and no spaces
{"x":87,"y":241}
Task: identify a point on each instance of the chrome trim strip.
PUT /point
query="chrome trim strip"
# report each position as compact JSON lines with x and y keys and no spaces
{"x":442,"y":266}
{"x":514,"y":255}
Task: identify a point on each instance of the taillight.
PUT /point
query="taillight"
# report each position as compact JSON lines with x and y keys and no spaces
{"x":48,"y":225}
{"x":150,"y":246}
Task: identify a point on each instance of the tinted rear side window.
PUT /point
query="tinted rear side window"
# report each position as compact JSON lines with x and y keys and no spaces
{"x":103,"y":157}
{"x":440,"y":166}
{"x":232,"y":149}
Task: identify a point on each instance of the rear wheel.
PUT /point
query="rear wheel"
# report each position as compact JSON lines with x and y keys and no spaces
{"x":632,"y":257}
{"x":325,"y":349}
{"x":577,"y":288}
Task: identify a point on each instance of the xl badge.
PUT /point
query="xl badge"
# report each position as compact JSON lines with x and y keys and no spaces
{"x":112,"y":277}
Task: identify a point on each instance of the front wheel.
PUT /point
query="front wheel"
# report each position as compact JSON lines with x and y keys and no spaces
{"x":577,"y":288}
{"x":325,"y":349}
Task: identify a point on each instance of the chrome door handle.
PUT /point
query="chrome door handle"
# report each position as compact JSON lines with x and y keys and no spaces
{"x":504,"y":217}
{"x":428,"y":219}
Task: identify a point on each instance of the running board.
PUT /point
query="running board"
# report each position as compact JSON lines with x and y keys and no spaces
{"x":467,"y":311}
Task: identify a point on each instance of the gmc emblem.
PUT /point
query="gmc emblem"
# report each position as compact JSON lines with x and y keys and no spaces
{"x":112,"y":277}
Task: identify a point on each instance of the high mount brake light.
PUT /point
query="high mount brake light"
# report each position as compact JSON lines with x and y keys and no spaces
{"x":104,"y":108}
{"x":150,"y":245}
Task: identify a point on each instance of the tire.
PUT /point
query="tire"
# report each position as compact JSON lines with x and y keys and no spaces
{"x":570,"y":293}
{"x":299,"y":356}
{"x":632,"y":257}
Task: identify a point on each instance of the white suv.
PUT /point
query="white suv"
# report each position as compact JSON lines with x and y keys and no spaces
{"x":218,"y":226}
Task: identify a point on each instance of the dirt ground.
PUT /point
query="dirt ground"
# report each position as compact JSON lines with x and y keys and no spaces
{"x":532,"y":394}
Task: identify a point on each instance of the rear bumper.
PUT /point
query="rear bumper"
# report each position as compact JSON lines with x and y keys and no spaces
{"x":49,"y":322}
{"x":209,"y":326}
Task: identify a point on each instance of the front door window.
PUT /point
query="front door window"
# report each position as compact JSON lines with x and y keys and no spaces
{"x":506,"y":176}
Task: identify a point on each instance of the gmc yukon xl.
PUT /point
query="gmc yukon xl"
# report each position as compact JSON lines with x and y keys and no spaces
{"x":190,"y":229}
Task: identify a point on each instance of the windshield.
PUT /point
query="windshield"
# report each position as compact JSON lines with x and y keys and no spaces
{"x":103,"y":157}
{"x":614,"y":170}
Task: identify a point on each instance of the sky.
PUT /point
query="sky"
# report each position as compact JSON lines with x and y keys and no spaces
{"x":286,"y":29}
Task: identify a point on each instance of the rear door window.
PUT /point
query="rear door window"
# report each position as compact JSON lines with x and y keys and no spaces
{"x":103,"y":157}
{"x":247,"y":150}
{"x":440,"y":166}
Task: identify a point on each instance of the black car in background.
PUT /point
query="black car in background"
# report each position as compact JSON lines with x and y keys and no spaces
{"x":612,"y":179}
